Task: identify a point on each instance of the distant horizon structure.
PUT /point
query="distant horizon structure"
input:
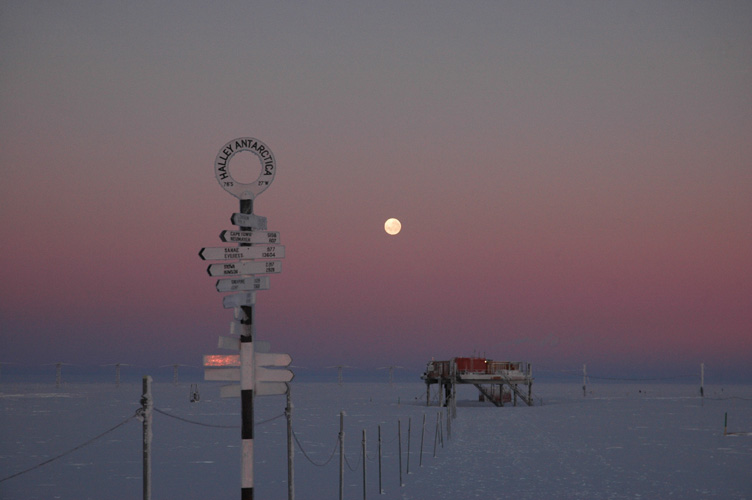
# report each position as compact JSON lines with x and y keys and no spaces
{"x":117,"y":371}
{"x":174,"y":372}
{"x":391,"y":372}
{"x":58,"y":372}
{"x":339,"y":371}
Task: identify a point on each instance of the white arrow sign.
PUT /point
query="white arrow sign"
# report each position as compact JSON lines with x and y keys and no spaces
{"x":261,"y":389}
{"x":266,"y":381}
{"x":233,"y":360}
{"x":241,"y":284}
{"x":238,"y":300}
{"x":263,"y":237}
{"x":272,"y":375}
{"x":245,"y":268}
{"x":248,"y":220}
{"x":234,"y":253}
{"x":222,"y":374}
{"x":231,"y":343}
{"x":270,"y":388}
{"x":272,"y":359}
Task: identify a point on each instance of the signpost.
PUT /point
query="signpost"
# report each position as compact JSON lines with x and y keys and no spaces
{"x":238,"y":268}
{"x":243,"y":252}
{"x":248,"y":221}
{"x":257,"y":252}
{"x":240,"y":284}
{"x":262,"y":237}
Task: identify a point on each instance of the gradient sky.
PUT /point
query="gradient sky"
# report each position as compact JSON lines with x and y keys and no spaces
{"x":574,"y":180}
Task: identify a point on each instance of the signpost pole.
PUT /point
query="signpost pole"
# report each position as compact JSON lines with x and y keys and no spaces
{"x":246,"y":381}
{"x":254,"y":242}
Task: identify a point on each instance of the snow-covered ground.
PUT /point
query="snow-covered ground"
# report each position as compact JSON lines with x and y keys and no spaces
{"x":621,"y":441}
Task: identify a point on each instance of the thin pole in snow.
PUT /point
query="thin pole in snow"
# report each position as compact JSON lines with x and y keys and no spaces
{"x":584,"y":381}
{"x":436,"y":435}
{"x":147,"y":404}
{"x":341,"y":455}
{"x":409,"y":429}
{"x":399,"y":449}
{"x":381,"y":490}
{"x":449,"y":424}
{"x":441,"y":429}
{"x":364,"y":464}
{"x":290,"y":449}
{"x":422,"y":435}
{"x":702,"y":380}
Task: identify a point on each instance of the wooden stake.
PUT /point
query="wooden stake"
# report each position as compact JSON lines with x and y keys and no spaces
{"x":147,"y":404}
{"x":290,"y":449}
{"x":364,"y":464}
{"x":341,"y":455}
{"x":381,"y":490}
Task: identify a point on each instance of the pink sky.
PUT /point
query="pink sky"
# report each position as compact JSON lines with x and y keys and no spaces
{"x":574,"y":181}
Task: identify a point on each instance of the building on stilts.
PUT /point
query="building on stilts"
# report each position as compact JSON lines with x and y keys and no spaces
{"x":497,"y":381}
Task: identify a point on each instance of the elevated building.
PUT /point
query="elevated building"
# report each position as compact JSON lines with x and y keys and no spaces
{"x":498,"y":381}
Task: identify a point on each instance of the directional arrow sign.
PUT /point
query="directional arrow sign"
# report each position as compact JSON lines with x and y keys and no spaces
{"x":245,"y":268}
{"x":272,"y":375}
{"x":264,"y":237}
{"x":238,"y":299}
{"x":261,"y":389}
{"x":249,"y":220}
{"x":240,"y":284}
{"x":231,"y":343}
{"x":272,"y":359}
{"x":252,"y":252}
{"x":221,"y":360}
{"x":233,"y":360}
{"x":270,"y":388}
{"x":222,"y":374}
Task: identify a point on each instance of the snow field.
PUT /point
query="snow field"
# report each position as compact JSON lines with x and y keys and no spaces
{"x":618,"y":442}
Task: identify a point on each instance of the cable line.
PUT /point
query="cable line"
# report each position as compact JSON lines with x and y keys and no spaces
{"x":300,"y":447}
{"x":73,"y":449}
{"x":194,"y":422}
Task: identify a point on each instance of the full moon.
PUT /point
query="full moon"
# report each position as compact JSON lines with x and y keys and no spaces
{"x":392,"y":226}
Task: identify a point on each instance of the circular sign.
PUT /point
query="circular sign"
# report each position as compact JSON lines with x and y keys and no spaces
{"x":247,"y":191}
